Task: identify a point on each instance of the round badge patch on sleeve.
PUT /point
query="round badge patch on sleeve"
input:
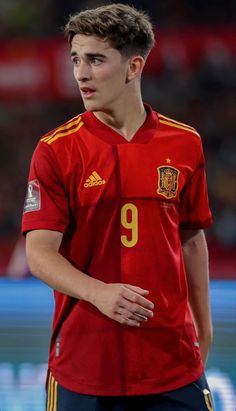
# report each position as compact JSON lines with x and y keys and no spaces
{"x":33,"y":198}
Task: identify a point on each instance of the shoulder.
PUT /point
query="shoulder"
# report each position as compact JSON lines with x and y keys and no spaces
{"x":182,"y":137}
{"x":56,"y":148}
{"x":64,"y":132}
{"x":169,"y":124}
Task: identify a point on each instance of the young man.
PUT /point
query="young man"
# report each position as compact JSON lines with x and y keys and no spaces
{"x":113,"y":220}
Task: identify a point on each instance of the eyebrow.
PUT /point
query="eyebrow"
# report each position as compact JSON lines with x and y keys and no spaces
{"x":89,"y":55}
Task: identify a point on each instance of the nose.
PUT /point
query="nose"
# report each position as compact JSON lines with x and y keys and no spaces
{"x":82,"y":72}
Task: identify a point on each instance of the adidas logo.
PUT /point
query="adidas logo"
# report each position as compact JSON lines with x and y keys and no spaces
{"x":94,"y":180}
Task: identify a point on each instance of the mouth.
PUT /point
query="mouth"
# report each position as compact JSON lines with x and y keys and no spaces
{"x":87,"y":92}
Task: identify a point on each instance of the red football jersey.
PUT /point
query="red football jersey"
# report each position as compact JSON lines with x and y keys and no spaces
{"x":120,"y":206}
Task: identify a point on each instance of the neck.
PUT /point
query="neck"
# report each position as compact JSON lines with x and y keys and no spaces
{"x":126,"y":118}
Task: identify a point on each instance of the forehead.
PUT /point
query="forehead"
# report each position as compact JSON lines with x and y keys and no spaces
{"x":91,"y":44}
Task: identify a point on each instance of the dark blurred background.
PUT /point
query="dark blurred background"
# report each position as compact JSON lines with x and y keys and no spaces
{"x":190,"y":76}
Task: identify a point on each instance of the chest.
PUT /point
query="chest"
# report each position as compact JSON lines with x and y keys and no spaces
{"x":101,"y":172}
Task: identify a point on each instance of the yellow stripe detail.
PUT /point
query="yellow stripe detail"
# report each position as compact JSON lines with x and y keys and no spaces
{"x":52,"y":405}
{"x":181,"y":127}
{"x":92,"y":178}
{"x":96,"y":175}
{"x":55,"y":396}
{"x":66,"y":126}
{"x":50,"y":393}
{"x":176,"y":122}
{"x":73,"y":130}
{"x":208,"y":400}
{"x":63,"y":130}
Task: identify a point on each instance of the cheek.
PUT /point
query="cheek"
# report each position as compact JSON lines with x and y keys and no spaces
{"x":75,"y":73}
{"x":114,"y":82}
{"x":113,"y":74}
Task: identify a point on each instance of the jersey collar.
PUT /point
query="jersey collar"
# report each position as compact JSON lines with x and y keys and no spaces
{"x":142,"y":136}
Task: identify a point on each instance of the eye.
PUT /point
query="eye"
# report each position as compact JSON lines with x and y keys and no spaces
{"x":96,"y":61}
{"x":75,"y":61}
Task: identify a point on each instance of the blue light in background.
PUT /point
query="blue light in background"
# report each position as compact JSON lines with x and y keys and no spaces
{"x":26,"y":309}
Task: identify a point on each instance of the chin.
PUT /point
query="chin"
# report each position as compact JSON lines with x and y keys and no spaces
{"x":91,"y":105}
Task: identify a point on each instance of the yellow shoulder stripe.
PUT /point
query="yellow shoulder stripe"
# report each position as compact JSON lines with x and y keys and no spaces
{"x":64,"y":134}
{"x":191,"y":130}
{"x":67,"y":133}
{"x":175,"y":122}
{"x":62,"y":128}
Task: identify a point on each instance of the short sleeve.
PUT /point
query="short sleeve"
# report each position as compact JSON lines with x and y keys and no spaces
{"x":194,"y":205}
{"x":46,"y":205}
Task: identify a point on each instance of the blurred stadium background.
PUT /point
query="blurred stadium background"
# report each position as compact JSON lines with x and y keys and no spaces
{"x":190,"y":76}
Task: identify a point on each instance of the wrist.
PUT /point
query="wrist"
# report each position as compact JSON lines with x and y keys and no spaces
{"x":206,"y":334}
{"x":93,"y":290}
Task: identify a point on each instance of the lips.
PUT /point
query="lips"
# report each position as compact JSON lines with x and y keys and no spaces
{"x":87,"y":92}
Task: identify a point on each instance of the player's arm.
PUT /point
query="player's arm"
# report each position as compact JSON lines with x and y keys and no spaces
{"x":196,"y":265}
{"x":121,"y":302}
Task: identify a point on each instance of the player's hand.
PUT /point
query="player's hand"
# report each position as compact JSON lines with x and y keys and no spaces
{"x":124,"y":303}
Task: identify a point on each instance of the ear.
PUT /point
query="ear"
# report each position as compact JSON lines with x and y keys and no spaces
{"x":135,"y":67}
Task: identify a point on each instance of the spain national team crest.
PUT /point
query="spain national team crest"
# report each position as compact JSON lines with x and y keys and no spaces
{"x":167,"y":181}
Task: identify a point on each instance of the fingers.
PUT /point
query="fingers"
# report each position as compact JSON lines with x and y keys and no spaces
{"x":134,"y":308}
{"x":131,"y":316}
{"x":126,"y":321}
{"x":136,"y":298}
{"x":137,"y":289}
{"x":131,"y":321}
{"x":125,"y":303}
{"x":140,"y":316}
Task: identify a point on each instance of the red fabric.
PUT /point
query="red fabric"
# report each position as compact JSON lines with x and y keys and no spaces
{"x":96,"y":355}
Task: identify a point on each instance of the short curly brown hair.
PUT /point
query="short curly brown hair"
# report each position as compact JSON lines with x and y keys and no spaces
{"x":126,"y":28}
